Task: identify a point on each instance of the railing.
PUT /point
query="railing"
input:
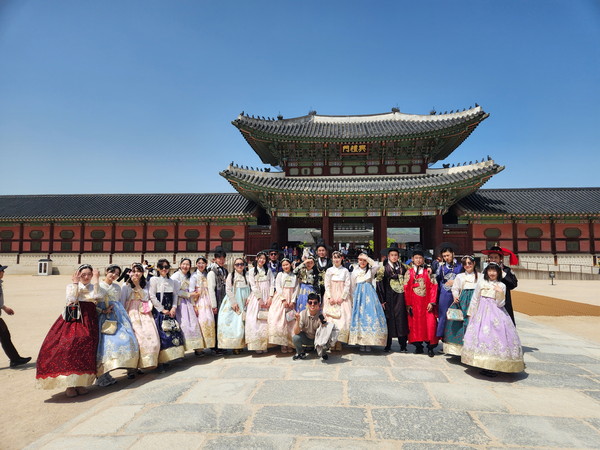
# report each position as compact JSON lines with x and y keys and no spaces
{"x":571,"y":268}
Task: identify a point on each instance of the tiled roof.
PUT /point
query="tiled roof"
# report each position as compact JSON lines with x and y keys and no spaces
{"x":540,"y":201}
{"x":123,"y":206}
{"x":372,"y":184}
{"x":392,"y":124}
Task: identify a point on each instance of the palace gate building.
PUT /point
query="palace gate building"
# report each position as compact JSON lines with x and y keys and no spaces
{"x":350,"y":180}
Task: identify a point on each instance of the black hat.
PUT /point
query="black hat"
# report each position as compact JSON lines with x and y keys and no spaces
{"x":3,"y":268}
{"x":274,"y":248}
{"x":450,"y":245}
{"x":321,"y":243}
{"x":418,"y":251}
{"x":219,"y":250}
{"x":392,"y":248}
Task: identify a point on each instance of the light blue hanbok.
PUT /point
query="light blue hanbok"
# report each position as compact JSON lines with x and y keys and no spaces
{"x":119,"y":350}
{"x":367,"y":325}
{"x":230,"y":330}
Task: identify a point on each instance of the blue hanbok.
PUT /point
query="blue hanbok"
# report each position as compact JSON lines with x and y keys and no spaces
{"x":230,"y":332}
{"x":368,"y":325}
{"x":445,"y":273}
{"x":308,"y":279}
{"x":163,"y":296}
{"x":119,"y":350}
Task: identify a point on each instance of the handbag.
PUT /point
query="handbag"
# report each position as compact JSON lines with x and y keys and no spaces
{"x":263,"y":314}
{"x":455,"y":314}
{"x":109,"y":326}
{"x":290,"y":316}
{"x":169,"y":325}
{"x":72,"y":313}
{"x":333,"y":311}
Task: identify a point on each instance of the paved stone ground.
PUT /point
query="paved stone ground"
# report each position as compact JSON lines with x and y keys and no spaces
{"x":354,"y":401}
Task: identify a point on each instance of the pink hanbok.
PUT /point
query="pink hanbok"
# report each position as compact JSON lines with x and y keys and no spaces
{"x":280,"y":329}
{"x":337,"y":287}
{"x":186,"y":315}
{"x":262,"y":287}
{"x":203,"y":309}
{"x":138,"y":306}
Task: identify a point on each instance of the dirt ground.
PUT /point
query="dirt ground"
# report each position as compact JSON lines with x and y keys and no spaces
{"x":38,"y":301}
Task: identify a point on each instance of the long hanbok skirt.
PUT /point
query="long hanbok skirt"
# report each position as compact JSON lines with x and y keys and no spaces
{"x":344,"y":310}
{"x":491,"y":340}
{"x":280,"y":330}
{"x":368,"y":325}
{"x":257,"y":330}
{"x":190,"y":328}
{"x":67,"y":357}
{"x":119,"y":350}
{"x":144,"y":327}
{"x":454,"y":331}
{"x":303,"y":292}
{"x":230,"y":333}
{"x":206,"y":319}
{"x":171,"y":342}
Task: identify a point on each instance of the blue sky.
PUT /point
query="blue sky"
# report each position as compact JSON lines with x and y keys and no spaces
{"x":138,"y":96}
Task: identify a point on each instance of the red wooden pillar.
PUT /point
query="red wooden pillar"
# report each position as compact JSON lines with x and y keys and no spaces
{"x":207,"y":239}
{"x":82,"y":238}
{"x":553,"y":239}
{"x":438,"y":231}
{"x":144,"y":237}
{"x":274,"y":230}
{"x":326,"y":232}
{"x":592,"y":239}
{"x":51,"y":238}
{"x":470,"y":249}
{"x":515,"y":237}
{"x":381,"y":242}
{"x":113,"y":237}
{"x":176,"y":242}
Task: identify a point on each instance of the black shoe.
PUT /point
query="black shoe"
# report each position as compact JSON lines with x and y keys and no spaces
{"x":403,"y":349}
{"x":299,"y":356}
{"x":387,"y":350}
{"x":325,"y":356}
{"x":419,"y":351}
{"x":20,"y":361}
{"x":430,"y":353}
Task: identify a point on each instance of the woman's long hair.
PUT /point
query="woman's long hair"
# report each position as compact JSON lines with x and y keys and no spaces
{"x":264,"y":267}
{"x":142,"y":278}
{"x":472,"y":259}
{"x":189,"y":274}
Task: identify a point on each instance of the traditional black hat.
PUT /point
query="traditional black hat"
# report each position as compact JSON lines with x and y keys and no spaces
{"x":274,"y":248}
{"x":220,"y":250}
{"x":321,"y":243}
{"x":392,"y":248}
{"x":3,"y":268}
{"x":443,"y":245}
{"x":418,"y":251}
{"x":514,"y":259}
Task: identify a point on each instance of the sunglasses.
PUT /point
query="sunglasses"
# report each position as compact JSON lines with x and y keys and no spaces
{"x":162,"y":266}
{"x":273,"y":253}
{"x":314,"y":302}
{"x":239,"y":264}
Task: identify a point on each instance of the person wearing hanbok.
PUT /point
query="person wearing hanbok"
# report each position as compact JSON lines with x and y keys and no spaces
{"x":117,"y":349}
{"x":230,"y":333}
{"x":337,"y":303}
{"x":491,"y":340}
{"x":322,"y":263}
{"x":163,"y":295}
{"x":281,"y":313}
{"x":308,"y":279}
{"x":202,"y":304}
{"x":217,"y":274}
{"x":368,"y":325}
{"x":390,"y":289}
{"x":67,"y":357}
{"x":262,"y":287}
{"x":136,"y":300}
{"x":462,"y":292}
{"x":445,"y":274}
{"x":496,"y":255}
{"x":420,"y":292}
{"x":186,"y":314}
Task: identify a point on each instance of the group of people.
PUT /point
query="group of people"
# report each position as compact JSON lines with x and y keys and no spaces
{"x":149,"y":323}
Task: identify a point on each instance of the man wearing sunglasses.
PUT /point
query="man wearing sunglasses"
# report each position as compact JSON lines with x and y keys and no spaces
{"x":305,"y":328}
{"x":274,"y":263}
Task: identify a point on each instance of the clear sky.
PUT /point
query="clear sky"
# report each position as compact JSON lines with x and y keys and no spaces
{"x":120,"y":96}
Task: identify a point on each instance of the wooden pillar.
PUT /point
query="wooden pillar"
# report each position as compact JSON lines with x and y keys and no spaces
{"x":274,"y":229}
{"x":381,"y":242}
{"x":325,"y":230}
{"x":21,"y":238}
{"x":515,"y":235}
{"x":553,"y":239}
{"x":438,"y":231}
{"x":176,"y":242}
{"x":245,"y":239}
{"x":592,"y":239}
{"x":470,"y":249}
{"x":144,"y":237}
{"x":113,"y":232}
{"x":82,"y":238}
{"x":207,"y":239}
{"x":51,"y":249}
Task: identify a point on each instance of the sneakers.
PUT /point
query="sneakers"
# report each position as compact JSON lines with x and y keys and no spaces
{"x":325,"y":357}
{"x":299,"y":356}
{"x":105,"y":380}
{"x":20,"y":361}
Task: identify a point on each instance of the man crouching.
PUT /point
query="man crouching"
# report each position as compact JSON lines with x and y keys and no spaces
{"x":307,"y":324}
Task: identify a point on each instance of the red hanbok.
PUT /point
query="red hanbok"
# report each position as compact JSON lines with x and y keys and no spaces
{"x":419,"y":291}
{"x":68,"y":355}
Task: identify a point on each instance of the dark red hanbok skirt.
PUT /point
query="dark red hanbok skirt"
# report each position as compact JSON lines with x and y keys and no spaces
{"x":68,"y":355}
